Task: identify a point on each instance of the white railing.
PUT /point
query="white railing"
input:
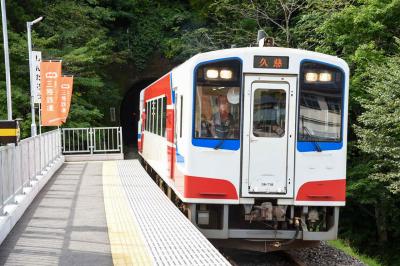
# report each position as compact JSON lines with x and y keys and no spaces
{"x":92,"y":140}
{"x":21,"y":164}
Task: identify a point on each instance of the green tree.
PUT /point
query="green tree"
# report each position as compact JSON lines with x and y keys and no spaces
{"x":379,"y":134}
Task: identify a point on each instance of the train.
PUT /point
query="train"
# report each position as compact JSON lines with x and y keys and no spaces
{"x":251,"y":143}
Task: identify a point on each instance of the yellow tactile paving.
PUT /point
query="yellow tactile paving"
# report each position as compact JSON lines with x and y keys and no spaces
{"x":128,"y":246}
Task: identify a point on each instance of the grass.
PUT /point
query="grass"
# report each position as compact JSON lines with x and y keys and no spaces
{"x":345,"y":247}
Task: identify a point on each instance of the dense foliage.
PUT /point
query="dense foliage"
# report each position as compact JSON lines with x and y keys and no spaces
{"x":99,"y":39}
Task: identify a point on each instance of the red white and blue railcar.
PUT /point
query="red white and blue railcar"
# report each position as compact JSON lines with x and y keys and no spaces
{"x":252,"y":141}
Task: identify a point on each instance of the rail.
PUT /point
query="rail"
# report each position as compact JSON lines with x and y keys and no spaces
{"x":20,"y":164}
{"x":92,"y":140}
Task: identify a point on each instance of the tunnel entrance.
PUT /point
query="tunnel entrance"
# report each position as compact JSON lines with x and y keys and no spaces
{"x":129,"y":115}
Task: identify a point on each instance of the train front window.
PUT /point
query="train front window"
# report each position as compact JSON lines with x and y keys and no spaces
{"x":320,"y":103}
{"x":269,"y":114}
{"x":217,"y":100}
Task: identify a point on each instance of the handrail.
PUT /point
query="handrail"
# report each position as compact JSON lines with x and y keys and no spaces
{"x":20,"y":164}
{"x":93,"y":140}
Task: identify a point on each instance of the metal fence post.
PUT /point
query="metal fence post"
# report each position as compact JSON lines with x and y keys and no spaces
{"x":29,"y":162}
{"x":34,"y":160}
{"x":54,"y":148}
{"x":63,"y":140}
{"x":12,"y":170}
{"x":46,"y":151}
{"x":2,"y":176}
{"x":59,"y":143}
{"x":121,"y":140}
{"x":40,"y":152}
{"x":21,"y":173}
{"x":91,"y":136}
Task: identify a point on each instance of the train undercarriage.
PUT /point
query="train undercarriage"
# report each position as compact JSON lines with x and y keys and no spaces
{"x":263,"y":226}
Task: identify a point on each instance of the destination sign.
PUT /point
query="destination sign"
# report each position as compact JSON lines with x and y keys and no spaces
{"x":275,"y":62}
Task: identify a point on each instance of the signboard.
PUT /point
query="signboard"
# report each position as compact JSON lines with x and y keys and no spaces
{"x":35,"y":70}
{"x":274,"y":62}
{"x":9,"y":132}
{"x":112,"y":114}
{"x":66,"y":84}
{"x":50,"y":76}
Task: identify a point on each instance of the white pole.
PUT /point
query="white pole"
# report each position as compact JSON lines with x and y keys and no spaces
{"x":28,"y":29}
{"x":40,"y":118}
{"x":33,"y":124}
{"x":6,"y":59}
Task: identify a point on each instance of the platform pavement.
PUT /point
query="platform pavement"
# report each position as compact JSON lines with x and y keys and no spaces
{"x":105,"y":213}
{"x":66,"y":223}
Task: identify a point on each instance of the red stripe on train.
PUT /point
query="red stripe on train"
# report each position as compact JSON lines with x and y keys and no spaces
{"x":329,"y":190}
{"x":170,"y":126}
{"x":140,"y":143}
{"x":159,"y":87}
{"x":209,"y":188}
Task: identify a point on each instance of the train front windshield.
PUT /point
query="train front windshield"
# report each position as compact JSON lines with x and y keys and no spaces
{"x":320,"y":103}
{"x":217,"y":103}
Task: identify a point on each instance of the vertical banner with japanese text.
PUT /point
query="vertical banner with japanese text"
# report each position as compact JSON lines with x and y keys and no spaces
{"x":50,"y":73}
{"x":35,"y":70}
{"x":66,"y":85}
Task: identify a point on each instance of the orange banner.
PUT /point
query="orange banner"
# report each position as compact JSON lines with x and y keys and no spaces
{"x":66,"y":85}
{"x":50,"y":73}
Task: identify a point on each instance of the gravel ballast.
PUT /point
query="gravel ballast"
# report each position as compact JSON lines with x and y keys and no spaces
{"x":323,"y":255}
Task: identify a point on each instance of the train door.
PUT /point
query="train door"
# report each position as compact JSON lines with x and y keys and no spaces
{"x":267,"y":125}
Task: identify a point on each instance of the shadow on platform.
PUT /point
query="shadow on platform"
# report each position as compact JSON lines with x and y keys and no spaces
{"x":66,"y":223}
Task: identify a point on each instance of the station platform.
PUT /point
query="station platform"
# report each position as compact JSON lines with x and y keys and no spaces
{"x":105,"y":213}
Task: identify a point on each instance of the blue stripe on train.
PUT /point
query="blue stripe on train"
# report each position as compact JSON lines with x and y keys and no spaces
{"x":228,"y":144}
{"x":325,"y":146}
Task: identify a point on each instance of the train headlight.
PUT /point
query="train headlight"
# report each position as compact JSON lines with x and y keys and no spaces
{"x":212,"y":73}
{"x":225,"y":74}
{"x":325,"y":77}
{"x":311,"y":77}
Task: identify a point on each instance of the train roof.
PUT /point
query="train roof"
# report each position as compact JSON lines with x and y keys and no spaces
{"x":247,"y":54}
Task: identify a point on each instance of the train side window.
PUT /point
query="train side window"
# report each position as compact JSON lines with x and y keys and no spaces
{"x":269,"y":113}
{"x":180,"y":127}
{"x":164,"y":116}
{"x":147,"y":116}
{"x":156,"y":117}
{"x":160,"y":111}
{"x":153,"y":114}
{"x":150,"y":116}
{"x":159,"y":116}
{"x":176,"y":116}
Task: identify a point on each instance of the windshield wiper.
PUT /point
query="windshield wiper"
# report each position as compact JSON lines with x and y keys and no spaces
{"x":219,"y":145}
{"x":307,"y":131}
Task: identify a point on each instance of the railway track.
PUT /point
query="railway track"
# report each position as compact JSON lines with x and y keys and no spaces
{"x":292,"y":258}
{"x":323,"y":255}
{"x":276,"y":258}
